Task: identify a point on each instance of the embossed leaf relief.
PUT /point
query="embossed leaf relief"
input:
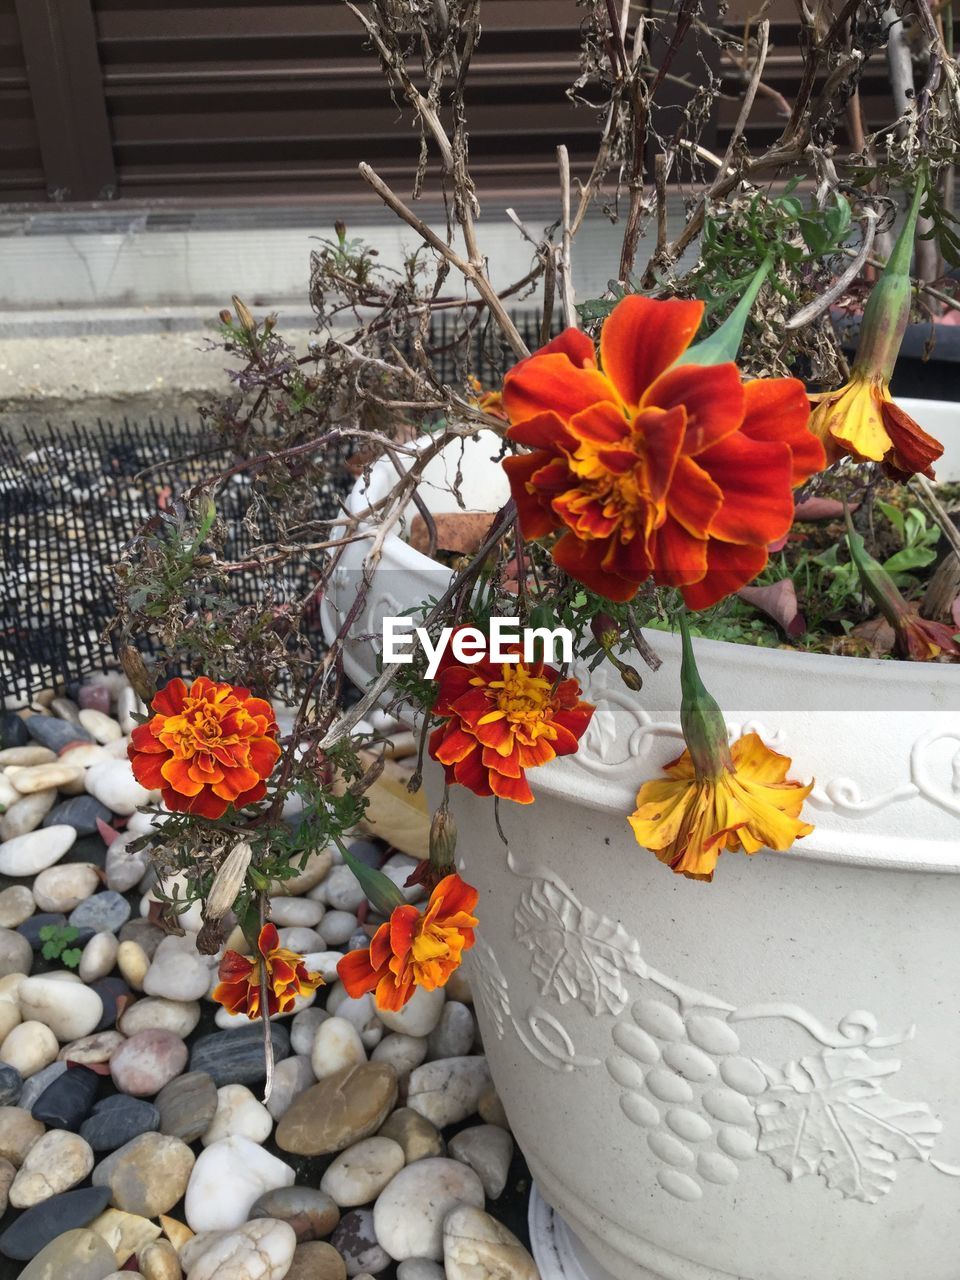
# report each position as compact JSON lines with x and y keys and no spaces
{"x":488,"y":983}
{"x":577,"y":955}
{"x":827,"y":1115}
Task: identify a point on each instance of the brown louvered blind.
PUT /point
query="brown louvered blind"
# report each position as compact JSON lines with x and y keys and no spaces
{"x":21,"y":167}
{"x":247,"y":99}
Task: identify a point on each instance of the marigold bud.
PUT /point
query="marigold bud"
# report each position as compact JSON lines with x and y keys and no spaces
{"x":605,"y":630}
{"x":443,"y":839}
{"x":226,"y":317}
{"x":702,"y":722}
{"x":244,"y":315}
{"x":135,"y":669}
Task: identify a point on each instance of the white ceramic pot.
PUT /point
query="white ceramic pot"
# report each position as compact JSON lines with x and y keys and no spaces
{"x":753,"y":1078}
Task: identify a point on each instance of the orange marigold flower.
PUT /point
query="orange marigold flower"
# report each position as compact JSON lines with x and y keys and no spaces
{"x":687,"y":819}
{"x":287,"y":977}
{"x":413,"y":949}
{"x":864,"y":420}
{"x":501,"y":719}
{"x":650,"y":467}
{"x":207,"y":747}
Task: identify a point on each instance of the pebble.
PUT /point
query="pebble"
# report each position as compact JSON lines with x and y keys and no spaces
{"x":69,"y":1009}
{"x":28,"y":779}
{"x":114,"y":994}
{"x":66,"y":709}
{"x":94,"y":695}
{"x":178,"y":971}
{"x":11,"y":1081}
{"x":148,"y":1061}
{"x":362,"y":1012}
{"x":16,"y":953}
{"x":259,"y":1250}
{"x":33,"y":1087}
{"x":66,"y":1103}
{"x":488,"y":1150}
{"x":453,"y":1035}
{"x":299,"y":912}
{"x":159,"y":1261}
{"x":27,"y":814}
{"x":113,"y":784}
{"x":304,"y":1027}
{"x":55,"y":1163}
{"x":9,"y":795}
{"x":448,"y":1091}
{"x":417,"y":1136}
{"x":13,"y":732}
{"x":36,"y":1227}
{"x":7,"y":1174}
{"x":155,"y":1012}
{"x":408,"y":1216}
{"x":102,"y":728}
{"x":301,"y":940}
{"x":310,"y":1212}
{"x":82,"y":755}
{"x":316,"y":869}
{"x":18,"y":1133}
{"x":342,"y":891}
{"x":477,"y":1247}
{"x":339,"y":1110}
{"x":187,"y":1105}
{"x":404,"y":1053}
{"x":123,"y":866}
{"x":420,"y":1269}
{"x":317,"y":1260}
{"x":16,"y":905}
{"x":228,"y":1179}
{"x":30,"y":929}
{"x":107,"y":911}
{"x":28,"y":854}
{"x":337,"y":1045}
{"x":290,"y":1078}
{"x":26,"y":757}
{"x":81,"y":813}
{"x":238,"y":1112}
{"x":356,"y":1242}
{"x":118,"y":1120}
{"x":147,"y":1175}
{"x":55,"y":734}
{"x":236,"y":1057}
{"x":359,"y":1174}
{"x":61,"y":888}
{"x":338,"y":927}
{"x":133,"y":962}
{"x":29,"y":1048}
{"x":76,"y":1255}
{"x":419,"y":1015}
{"x":9,"y":1018}
{"x":99,"y":957}
{"x":125,"y":1233}
{"x":91,"y":1049}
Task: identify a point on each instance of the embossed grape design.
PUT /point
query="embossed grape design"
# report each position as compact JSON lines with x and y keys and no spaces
{"x":686,"y":1085}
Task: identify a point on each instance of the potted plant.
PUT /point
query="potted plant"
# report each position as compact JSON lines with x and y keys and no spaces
{"x":716,"y":1064}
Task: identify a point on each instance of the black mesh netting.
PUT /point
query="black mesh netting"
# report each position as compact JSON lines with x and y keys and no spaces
{"x":72,"y":495}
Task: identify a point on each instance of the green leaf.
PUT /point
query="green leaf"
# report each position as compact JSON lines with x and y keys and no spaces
{"x":723,"y":345}
{"x":910,"y":558}
{"x":71,"y":957}
{"x":895,"y":516}
{"x":50,"y":950}
{"x":47,"y":932}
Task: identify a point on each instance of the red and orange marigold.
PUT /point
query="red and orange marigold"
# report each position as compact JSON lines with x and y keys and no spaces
{"x":502,"y":718}
{"x":287,"y":977}
{"x":412,"y":949}
{"x":209,"y":746}
{"x":647,"y":466}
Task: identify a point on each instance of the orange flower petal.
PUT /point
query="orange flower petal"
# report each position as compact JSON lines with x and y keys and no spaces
{"x":755,"y":479}
{"x":778,"y":409}
{"x":711,"y":395}
{"x":552,"y":384}
{"x":641,"y":338}
{"x":730,"y":566}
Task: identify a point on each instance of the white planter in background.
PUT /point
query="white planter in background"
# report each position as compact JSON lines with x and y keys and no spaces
{"x":754,"y":1078}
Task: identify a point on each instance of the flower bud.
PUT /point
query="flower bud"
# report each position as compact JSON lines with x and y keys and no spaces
{"x":135,"y":669}
{"x":443,"y":839}
{"x":226,"y":317}
{"x":244,"y":315}
{"x":702,"y":722}
{"x":605,"y":630}
{"x":228,"y":881}
{"x":887,"y":312}
{"x":630,"y":677}
{"x":340,"y":227}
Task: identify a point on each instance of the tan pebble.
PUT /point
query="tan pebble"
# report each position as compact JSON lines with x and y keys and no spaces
{"x":317,"y":1260}
{"x":8,"y":1171}
{"x":178,"y":1233}
{"x":490,"y":1108}
{"x":133,"y":963}
{"x":159,"y":1261}
{"x":124,"y":1275}
{"x":104,"y":728}
{"x":9,"y":1018}
{"x":125,"y":1233}
{"x":19,"y":1131}
{"x":10,"y":987}
{"x":83,"y":754}
{"x":27,"y":755}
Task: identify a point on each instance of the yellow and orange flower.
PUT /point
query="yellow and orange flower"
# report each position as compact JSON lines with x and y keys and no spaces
{"x":287,"y":977}
{"x":689,"y":820}
{"x":502,"y":719}
{"x":207,"y":747}
{"x":864,"y":420}
{"x":650,"y":467}
{"x":412,"y":949}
